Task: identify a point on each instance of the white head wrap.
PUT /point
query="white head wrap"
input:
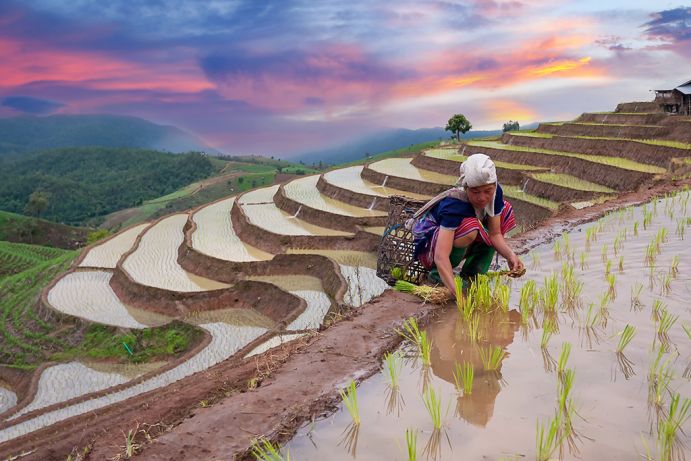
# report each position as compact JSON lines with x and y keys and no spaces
{"x":477,"y":170}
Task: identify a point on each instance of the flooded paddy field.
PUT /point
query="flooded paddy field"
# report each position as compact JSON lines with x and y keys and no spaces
{"x":613,"y":293}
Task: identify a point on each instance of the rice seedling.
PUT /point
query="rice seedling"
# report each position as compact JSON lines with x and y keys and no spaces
{"x":608,"y":266}
{"x":425,"y":348}
{"x":564,"y":386}
{"x":264,"y":450}
{"x":635,"y":229}
{"x":434,"y":295}
{"x":676,"y":417}
{"x":647,"y":218}
{"x":528,"y":298}
{"x":666,"y":284}
{"x":535,"y":260}
{"x":636,"y":296}
{"x":674,"y":268}
{"x":501,"y":295}
{"x":605,"y":299}
{"x":460,"y":304}
{"x":550,"y":294}
{"x":349,"y":398}
{"x":557,"y":250}
{"x":547,"y":438}
{"x":463,"y":376}
{"x":621,"y":263}
{"x":603,"y":253}
{"x":660,"y":376}
{"x":650,"y":254}
{"x":548,"y":329}
{"x":681,"y":228}
{"x":666,"y":322}
{"x":411,"y":331}
{"x":584,"y":262}
{"x":588,"y":325}
{"x":491,"y":357}
{"x":657,"y":308}
{"x":616,"y":246}
{"x":563,"y":357}
{"x":687,"y":330}
{"x":612,"y":281}
{"x":411,"y":444}
{"x":474,"y":328}
{"x":432,"y":402}
{"x":625,"y":337}
{"x":393,"y":364}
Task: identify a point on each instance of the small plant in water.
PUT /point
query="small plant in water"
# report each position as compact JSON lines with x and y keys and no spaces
{"x":625,"y":337}
{"x":463,"y":376}
{"x":547,"y":438}
{"x":433,"y":405}
{"x":563,"y":357}
{"x":674,"y":268}
{"x":548,"y":329}
{"x":611,"y":281}
{"x":550,"y":294}
{"x":636,"y":296}
{"x":393,"y":364}
{"x":668,"y":428}
{"x":411,"y":443}
{"x":491,"y":357}
{"x":621,"y":263}
{"x":666,"y":322}
{"x":264,"y":450}
{"x":584,"y":261}
{"x":349,"y":398}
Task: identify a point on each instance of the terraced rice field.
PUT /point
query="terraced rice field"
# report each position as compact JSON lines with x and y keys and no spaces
{"x":453,"y":155}
{"x":227,"y":340}
{"x":107,"y":254}
{"x":516,"y":192}
{"x":88,"y":295}
{"x":618,"y":162}
{"x":350,"y":179}
{"x":8,"y":399}
{"x":304,"y":191}
{"x":154,"y":262}
{"x":401,"y":167}
{"x":215,"y":236}
{"x":572,"y":182}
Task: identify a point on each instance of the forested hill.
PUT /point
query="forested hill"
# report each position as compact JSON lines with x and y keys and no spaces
{"x":81,"y":183}
{"x":30,"y":133}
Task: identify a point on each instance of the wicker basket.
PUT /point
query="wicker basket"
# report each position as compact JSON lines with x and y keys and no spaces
{"x":396,"y":247}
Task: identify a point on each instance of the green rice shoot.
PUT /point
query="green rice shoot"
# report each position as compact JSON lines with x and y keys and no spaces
{"x":349,"y":398}
{"x":264,"y":450}
{"x":463,"y":376}
{"x":625,"y":337}
{"x":432,"y":402}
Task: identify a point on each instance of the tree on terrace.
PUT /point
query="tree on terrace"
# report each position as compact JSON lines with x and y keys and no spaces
{"x":511,"y":126}
{"x":457,"y":125}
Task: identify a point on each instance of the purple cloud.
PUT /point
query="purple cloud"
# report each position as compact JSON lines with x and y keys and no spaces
{"x":30,"y":105}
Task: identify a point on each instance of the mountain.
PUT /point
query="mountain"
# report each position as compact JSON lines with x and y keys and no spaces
{"x":381,"y":142}
{"x":32,"y":133}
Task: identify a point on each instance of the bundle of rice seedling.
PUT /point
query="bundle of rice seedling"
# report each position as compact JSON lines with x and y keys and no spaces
{"x":434,"y":295}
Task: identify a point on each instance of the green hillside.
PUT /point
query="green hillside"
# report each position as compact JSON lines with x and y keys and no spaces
{"x":23,"y":229}
{"x":19,"y":135}
{"x":81,"y":183}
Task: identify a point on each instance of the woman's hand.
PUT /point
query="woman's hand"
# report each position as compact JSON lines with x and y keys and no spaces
{"x":515,"y":263}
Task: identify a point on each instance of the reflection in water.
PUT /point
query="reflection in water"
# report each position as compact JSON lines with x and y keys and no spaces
{"x":349,"y":438}
{"x":451,"y":344}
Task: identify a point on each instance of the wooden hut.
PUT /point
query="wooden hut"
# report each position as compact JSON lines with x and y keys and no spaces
{"x":676,"y":100}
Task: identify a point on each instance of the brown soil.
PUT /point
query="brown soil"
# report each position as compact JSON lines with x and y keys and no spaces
{"x":46,"y":233}
{"x":293,"y":385}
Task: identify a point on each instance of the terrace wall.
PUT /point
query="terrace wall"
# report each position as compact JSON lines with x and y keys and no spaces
{"x":351,"y":197}
{"x":317,"y":266}
{"x":607,"y":175}
{"x":680,"y":128}
{"x":645,"y":106}
{"x":626,"y":119}
{"x":608,"y":131}
{"x":279,"y":243}
{"x":259,"y":296}
{"x":528,"y":214}
{"x":396,"y":182}
{"x":555,"y":192}
{"x":325,"y":218}
{"x":637,"y":151}
{"x":506,"y":176}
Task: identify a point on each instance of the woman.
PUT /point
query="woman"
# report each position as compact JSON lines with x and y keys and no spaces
{"x":467,"y":223}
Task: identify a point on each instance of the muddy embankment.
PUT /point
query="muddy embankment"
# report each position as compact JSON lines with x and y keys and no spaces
{"x":638,"y":107}
{"x":637,"y":151}
{"x":611,"y":176}
{"x":555,"y":192}
{"x":279,"y":243}
{"x":294,"y":383}
{"x":352,"y":197}
{"x":324,"y":218}
{"x":509,"y":176}
{"x":607,"y":131}
{"x":622,"y":119}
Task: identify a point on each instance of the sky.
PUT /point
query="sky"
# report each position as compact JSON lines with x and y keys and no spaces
{"x":284,"y":77}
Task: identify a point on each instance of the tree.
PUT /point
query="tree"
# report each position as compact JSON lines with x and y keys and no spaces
{"x":458,"y":125}
{"x":37,"y":203}
{"x":511,"y":126}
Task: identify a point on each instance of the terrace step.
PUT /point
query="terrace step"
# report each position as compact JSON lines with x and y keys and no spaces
{"x":529,"y":208}
{"x":562,"y":187}
{"x":347,"y":185}
{"x":107,"y":253}
{"x":650,"y":151}
{"x":445,"y":160}
{"x":213,"y":235}
{"x":153,"y":261}
{"x":261,"y":223}
{"x":637,"y":106}
{"x":616,"y":173}
{"x":622,"y":118}
{"x":301,"y":197}
{"x":608,"y":130}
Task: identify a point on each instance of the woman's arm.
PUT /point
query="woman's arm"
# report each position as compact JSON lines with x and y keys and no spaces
{"x":499,"y":243}
{"x":442,"y":251}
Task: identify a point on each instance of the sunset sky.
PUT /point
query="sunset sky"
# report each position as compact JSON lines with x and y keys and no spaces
{"x":281,"y":77}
